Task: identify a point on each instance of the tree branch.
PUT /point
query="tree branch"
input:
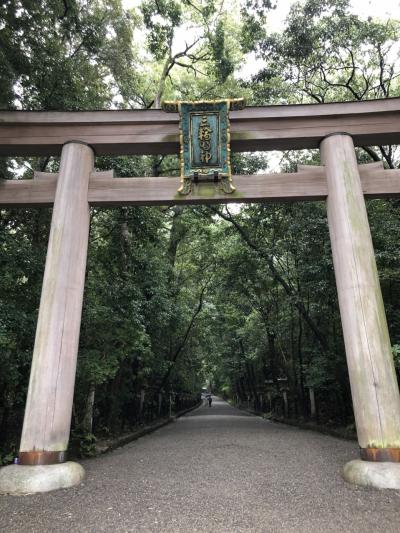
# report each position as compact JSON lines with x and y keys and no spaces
{"x":185,"y":337}
{"x":277,"y":276}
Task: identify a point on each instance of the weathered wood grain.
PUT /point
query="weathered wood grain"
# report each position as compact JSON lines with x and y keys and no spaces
{"x":163,"y":191}
{"x":27,"y":133}
{"x":51,"y":387}
{"x":376,"y":165}
{"x":309,"y":183}
{"x":372,"y":375}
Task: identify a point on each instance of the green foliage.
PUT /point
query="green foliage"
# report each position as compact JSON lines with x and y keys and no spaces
{"x":160,"y":18}
{"x":83,"y":444}
{"x":224,"y":65}
{"x":7,"y":456}
{"x":396,"y":355}
{"x":66,"y":66}
{"x":325,"y":53}
{"x":254,"y":15}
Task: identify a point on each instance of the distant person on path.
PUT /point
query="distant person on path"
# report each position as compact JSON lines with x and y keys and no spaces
{"x":209,"y":399}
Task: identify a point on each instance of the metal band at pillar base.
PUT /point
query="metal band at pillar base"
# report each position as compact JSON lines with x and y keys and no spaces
{"x":42,"y":458}
{"x":380,"y":455}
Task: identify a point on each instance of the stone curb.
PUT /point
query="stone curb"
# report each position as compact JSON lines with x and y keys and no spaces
{"x":130,"y":437}
{"x":308,"y":426}
{"x":20,"y":480}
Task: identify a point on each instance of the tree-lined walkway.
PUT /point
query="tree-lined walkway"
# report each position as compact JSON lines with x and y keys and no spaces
{"x":214,"y":470}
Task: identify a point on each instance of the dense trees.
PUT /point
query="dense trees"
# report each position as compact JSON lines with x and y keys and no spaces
{"x":242,"y":297}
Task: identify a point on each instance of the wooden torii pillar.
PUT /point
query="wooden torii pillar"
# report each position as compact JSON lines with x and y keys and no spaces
{"x":47,"y":421}
{"x":48,"y":410}
{"x":342,"y":182}
{"x":373,"y":380}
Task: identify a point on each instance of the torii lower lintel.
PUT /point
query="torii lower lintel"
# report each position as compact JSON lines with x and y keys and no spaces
{"x":308,"y":184}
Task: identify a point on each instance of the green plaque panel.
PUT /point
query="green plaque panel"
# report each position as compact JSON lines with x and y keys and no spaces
{"x":205,"y":142}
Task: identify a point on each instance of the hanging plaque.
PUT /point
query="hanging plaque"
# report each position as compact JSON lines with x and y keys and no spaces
{"x":205,"y":142}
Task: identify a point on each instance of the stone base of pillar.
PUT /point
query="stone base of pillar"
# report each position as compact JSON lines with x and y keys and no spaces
{"x":19,"y":480}
{"x":373,"y":474}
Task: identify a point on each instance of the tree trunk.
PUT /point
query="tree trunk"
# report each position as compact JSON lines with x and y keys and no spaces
{"x":272,"y":359}
{"x":87,"y":422}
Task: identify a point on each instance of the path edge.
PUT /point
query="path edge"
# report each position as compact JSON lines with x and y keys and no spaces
{"x":306,"y":426}
{"x":118,"y":442}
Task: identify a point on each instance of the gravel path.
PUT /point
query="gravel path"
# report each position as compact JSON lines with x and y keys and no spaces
{"x":214,"y":470}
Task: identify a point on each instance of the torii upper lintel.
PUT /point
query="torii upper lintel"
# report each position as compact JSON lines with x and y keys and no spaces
{"x":141,"y":132}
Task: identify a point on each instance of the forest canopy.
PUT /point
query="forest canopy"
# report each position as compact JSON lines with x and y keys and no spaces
{"x":241,"y":299}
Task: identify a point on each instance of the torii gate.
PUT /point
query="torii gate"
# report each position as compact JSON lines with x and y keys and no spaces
{"x":336,"y":128}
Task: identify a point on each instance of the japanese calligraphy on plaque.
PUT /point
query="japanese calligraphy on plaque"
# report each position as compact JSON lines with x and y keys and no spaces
{"x":205,"y":142}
